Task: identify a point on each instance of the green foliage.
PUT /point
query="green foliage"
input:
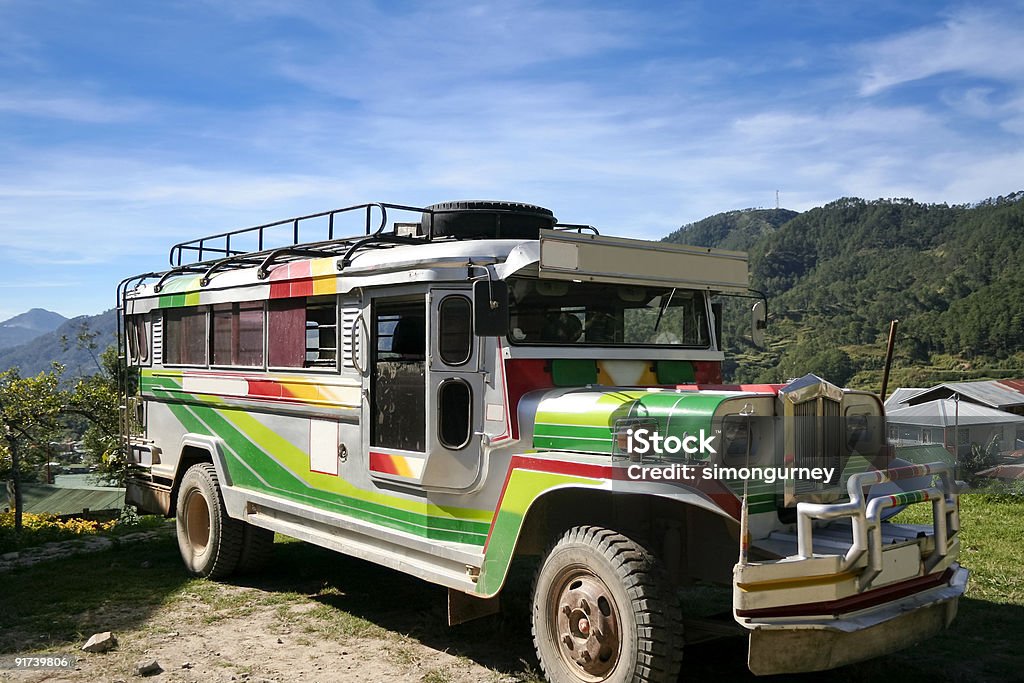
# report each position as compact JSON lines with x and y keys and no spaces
{"x":96,"y":399}
{"x":829,"y":363}
{"x":30,"y":408}
{"x":979,"y":458}
{"x":39,"y":529}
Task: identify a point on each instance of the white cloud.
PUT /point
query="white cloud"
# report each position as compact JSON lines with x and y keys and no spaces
{"x":974,"y":43}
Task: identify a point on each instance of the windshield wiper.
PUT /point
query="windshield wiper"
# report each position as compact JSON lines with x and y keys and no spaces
{"x":664,"y":306}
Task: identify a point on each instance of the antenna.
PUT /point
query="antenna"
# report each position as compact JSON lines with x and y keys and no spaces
{"x":776,"y":199}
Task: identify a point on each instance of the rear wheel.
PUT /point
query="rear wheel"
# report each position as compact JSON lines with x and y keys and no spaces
{"x":257,"y":548}
{"x":603,"y":610}
{"x":210,"y":542}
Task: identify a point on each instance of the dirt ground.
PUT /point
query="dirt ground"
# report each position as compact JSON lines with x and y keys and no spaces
{"x":312,"y":616}
{"x":271,"y":645}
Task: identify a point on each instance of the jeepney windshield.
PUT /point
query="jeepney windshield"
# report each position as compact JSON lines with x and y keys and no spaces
{"x":562,"y":312}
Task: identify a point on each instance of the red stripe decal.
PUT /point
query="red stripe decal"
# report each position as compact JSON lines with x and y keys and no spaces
{"x":382,"y":462}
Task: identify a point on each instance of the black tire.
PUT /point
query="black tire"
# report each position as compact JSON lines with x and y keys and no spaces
{"x":475,"y":219}
{"x":257,"y":549}
{"x":210,"y":542}
{"x":604,"y":610}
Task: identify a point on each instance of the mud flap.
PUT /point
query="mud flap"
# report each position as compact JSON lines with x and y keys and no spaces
{"x":463,"y":607}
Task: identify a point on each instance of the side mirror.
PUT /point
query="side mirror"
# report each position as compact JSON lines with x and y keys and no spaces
{"x":759,"y":322}
{"x":490,"y":308}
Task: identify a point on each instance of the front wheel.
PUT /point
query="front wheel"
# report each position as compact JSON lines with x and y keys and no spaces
{"x":604,"y":611}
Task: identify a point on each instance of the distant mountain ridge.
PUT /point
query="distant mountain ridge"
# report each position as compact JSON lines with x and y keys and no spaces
{"x":27,"y":326}
{"x":60,"y":345}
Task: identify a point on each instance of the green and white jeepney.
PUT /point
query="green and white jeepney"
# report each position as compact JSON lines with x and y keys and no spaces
{"x":478,"y":383}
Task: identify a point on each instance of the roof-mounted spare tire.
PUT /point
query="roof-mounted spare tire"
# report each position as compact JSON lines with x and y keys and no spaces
{"x":485,"y":219}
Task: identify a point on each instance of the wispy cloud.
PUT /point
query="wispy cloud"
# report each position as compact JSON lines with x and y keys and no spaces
{"x":972,"y":42}
{"x":85,"y":108}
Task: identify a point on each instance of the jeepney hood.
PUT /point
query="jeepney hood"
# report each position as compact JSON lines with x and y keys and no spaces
{"x":587,"y":420}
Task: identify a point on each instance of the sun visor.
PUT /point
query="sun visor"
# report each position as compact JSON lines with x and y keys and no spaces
{"x":596,"y":258}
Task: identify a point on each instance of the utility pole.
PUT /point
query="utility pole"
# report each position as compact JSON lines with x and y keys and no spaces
{"x":888,"y":357}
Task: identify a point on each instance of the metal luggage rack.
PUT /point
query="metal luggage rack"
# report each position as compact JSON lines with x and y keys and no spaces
{"x":212,"y":253}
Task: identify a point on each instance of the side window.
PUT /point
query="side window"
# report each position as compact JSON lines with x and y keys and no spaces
{"x":137,"y":334}
{"x":455,"y":413}
{"x":401,"y":331}
{"x":185,"y":336}
{"x":302,"y":333}
{"x":455,"y":330}
{"x":322,"y":334}
{"x":237,"y":331}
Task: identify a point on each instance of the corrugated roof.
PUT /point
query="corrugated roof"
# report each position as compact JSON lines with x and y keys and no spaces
{"x":946,"y":413}
{"x":900,"y":396}
{"x":41,"y":498}
{"x":1000,"y":394}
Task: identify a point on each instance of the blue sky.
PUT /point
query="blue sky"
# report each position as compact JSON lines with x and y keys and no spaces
{"x":127,"y":127}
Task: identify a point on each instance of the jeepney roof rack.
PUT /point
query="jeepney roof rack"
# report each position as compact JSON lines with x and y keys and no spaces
{"x":282,"y":240}
{"x":268,"y":238}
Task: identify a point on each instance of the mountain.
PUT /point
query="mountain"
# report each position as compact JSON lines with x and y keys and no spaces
{"x":836,"y":276}
{"x":27,"y":326}
{"x":736,"y":230}
{"x":61,"y":345}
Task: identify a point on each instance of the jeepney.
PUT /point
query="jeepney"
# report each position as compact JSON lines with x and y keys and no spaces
{"x":460,"y":385}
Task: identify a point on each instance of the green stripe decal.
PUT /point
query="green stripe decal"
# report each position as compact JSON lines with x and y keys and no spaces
{"x":521,"y":490}
{"x":181,"y":291}
{"x":249,"y":445}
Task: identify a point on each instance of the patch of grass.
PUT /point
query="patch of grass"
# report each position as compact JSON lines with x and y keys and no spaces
{"x":54,"y":603}
{"x":403,"y":652}
{"x":441,"y":675}
{"x":331,"y":622}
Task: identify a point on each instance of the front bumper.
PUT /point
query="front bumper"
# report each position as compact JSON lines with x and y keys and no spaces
{"x":808,"y":644}
{"x":849,"y":586}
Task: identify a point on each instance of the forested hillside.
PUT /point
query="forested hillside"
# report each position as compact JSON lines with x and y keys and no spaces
{"x":836,"y":275}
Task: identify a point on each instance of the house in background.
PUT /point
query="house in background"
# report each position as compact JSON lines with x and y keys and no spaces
{"x":898,"y":398}
{"x":955,"y":424}
{"x":999,"y":394}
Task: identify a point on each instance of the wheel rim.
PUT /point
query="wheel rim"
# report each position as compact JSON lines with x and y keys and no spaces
{"x":197,"y":522}
{"x":586,"y":621}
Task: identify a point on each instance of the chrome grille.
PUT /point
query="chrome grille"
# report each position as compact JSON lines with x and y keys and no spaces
{"x":819,"y":439}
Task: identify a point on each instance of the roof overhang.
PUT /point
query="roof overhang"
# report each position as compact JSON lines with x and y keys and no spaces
{"x":597,"y":258}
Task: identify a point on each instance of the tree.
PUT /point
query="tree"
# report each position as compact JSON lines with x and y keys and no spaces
{"x":30,"y":410}
{"x":96,"y":398}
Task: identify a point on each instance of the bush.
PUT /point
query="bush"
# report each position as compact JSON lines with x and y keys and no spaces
{"x":38,"y":529}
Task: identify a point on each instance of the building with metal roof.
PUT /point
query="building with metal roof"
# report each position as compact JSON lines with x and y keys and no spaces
{"x":56,"y":500}
{"x":899,"y":397}
{"x":1002,"y":394}
{"x":954,"y":423}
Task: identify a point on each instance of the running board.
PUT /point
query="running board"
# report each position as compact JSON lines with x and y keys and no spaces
{"x":428,"y":559}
